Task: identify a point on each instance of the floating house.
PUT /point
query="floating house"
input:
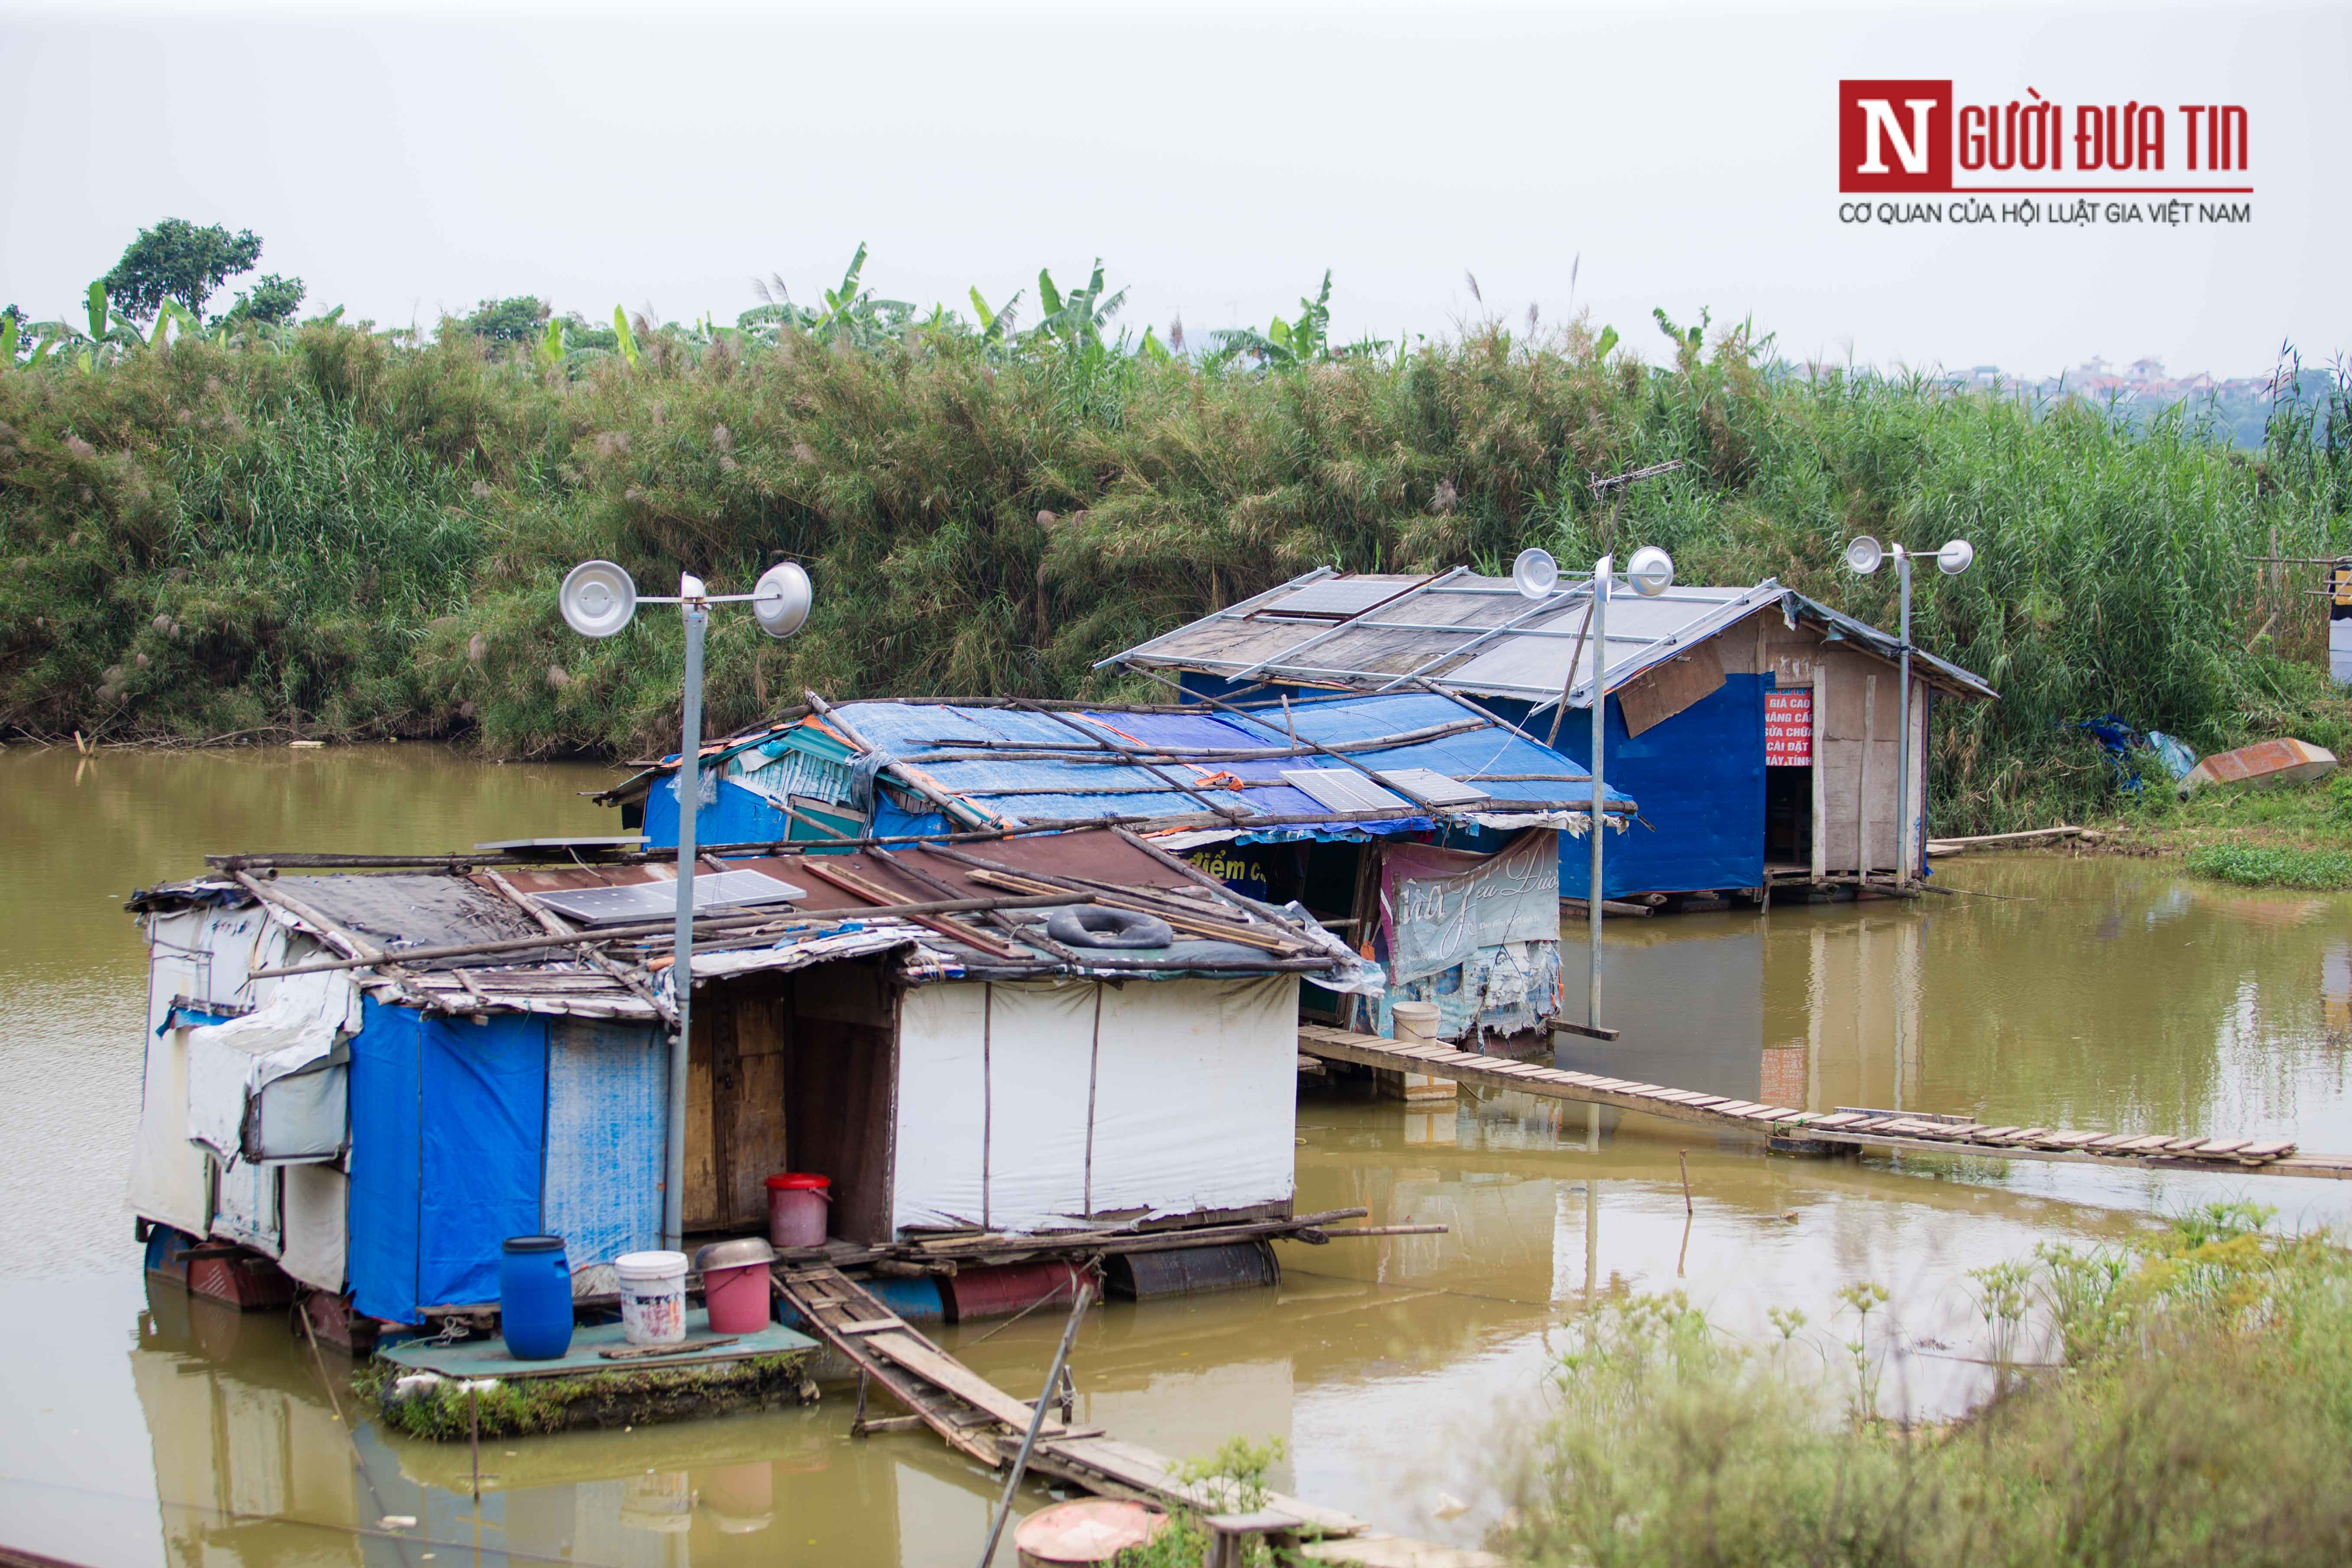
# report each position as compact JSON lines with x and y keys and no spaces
{"x":1757,"y":727}
{"x":373,"y":1079}
{"x":1418,"y":822}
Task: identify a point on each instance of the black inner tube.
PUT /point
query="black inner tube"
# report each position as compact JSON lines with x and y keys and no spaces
{"x":1092,"y":925}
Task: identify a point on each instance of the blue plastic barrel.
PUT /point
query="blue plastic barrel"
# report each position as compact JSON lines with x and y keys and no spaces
{"x":535,"y":1297}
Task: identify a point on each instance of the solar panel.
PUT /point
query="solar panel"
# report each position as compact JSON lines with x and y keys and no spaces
{"x":657,"y":901}
{"x":1338,"y":596}
{"x":1432,"y":787}
{"x":1344,"y":789}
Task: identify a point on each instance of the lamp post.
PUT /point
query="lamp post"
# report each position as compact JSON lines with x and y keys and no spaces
{"x":598,"y":599}
{"x":1650,"y":573}
{"x":1864,"y":556}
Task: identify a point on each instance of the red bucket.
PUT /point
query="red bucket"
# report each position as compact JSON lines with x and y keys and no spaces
{"x":796,"y":1205}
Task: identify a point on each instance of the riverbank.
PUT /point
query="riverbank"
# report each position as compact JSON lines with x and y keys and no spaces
{"x":2299,"y":836}
{"x":332,"y":535}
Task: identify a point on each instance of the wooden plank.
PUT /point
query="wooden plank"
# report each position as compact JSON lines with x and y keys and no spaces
{"x":901,"y":1346}
{"x":872,"y":1325}
{"x":701,"y":1209}
{"x":1657,"y":694}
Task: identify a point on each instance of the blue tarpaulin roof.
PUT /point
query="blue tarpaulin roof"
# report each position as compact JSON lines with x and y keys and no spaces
{"x":937,"y":740}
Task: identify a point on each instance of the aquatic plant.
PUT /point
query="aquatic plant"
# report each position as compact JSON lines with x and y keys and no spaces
{"x":2273,"y":866}
{"x":2201,"y":1415}
{"x":445,"y":1412}
{"x":357,"y":533}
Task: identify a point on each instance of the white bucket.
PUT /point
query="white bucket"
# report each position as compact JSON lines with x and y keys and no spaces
{"x":652,"y":1297}
{"x":1415,"y":1021}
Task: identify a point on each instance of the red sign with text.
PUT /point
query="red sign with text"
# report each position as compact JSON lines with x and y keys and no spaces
{"x":1788,"y":729}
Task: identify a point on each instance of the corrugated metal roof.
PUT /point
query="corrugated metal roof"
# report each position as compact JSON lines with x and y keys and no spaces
{"x":1479,"y":634}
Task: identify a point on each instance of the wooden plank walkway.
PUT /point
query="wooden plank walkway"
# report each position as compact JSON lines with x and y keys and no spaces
{"x":1940,"y":1135}
{"x":973,"y":1417}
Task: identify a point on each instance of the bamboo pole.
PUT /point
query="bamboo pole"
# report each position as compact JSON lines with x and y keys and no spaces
{"x":627,"y":932}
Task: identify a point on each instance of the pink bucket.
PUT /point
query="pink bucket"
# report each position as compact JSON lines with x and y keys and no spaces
{"x":796,"y":1205}
{"x":738,"y":1299}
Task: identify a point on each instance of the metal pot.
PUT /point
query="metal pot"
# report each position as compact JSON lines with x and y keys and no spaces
{"x":742,"y":1252}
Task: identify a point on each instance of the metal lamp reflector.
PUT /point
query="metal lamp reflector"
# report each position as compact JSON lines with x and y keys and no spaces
{"x":1652,"y":571}
{"x":1534,"y":574}
{"x":597,"y":598}
{"x":780,"y":599}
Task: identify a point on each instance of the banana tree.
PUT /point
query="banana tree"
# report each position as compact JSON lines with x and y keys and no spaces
{"x":1075,"y":321}
{"x":995,"y":326}
{"x":1284,"y":344}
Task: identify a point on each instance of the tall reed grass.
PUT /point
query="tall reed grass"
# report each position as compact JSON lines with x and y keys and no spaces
{"x":344,"y":535}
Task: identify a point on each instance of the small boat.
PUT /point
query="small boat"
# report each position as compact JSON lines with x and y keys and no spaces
{"x":2265,"y":765}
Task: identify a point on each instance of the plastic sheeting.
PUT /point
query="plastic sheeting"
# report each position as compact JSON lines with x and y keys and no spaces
{"x":607,"y":1098}
{"x":734,"y":815}
{"x":448,"y":1127}
{"x":1440,"y":906}
{"x":316,"y":1224}
{"x":270,"y":1086}
{"x":1041,"y":790}
{"x":1478,"y":935}
{"x":1029,"y":1106}
{"x":169,"y":1179}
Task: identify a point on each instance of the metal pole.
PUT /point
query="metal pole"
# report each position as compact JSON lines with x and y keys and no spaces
{"x":1037,"y":1421}
{"x":690,"y":798}
{"x":1599,"y":818}
{"x":1903,"y":722}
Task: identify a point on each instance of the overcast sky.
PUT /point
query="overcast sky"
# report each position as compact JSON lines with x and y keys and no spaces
{"x":1218,"y":159}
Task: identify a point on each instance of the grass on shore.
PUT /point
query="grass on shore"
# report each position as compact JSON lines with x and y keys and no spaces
{"x":2200,"y":1413}
{"x":2293,"y":837}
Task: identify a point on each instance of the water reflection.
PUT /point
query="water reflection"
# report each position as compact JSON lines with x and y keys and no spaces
{"x":1403,"y":1370}
{"x":2104,"y":992}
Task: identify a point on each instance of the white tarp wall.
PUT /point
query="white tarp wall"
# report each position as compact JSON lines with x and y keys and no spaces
{"x":292,"y":1212}
{"x":202,"y":954}
{"x":1037,"y":1105}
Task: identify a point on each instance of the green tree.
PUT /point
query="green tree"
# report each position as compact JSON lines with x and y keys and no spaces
{"x":520,"y":320}
{"x":271,"y":300}
{"x":177,"y":260}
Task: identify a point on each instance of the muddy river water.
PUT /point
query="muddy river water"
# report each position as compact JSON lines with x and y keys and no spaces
{"x":145,"y":1428}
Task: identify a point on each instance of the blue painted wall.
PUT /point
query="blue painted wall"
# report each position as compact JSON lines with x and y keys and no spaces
{"x":1698,"y":779}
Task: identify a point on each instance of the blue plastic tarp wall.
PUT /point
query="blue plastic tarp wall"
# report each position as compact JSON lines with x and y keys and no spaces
{"x":736,"y":815}
{"x":1699,"y":778}
{"x":451,"y":1126}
